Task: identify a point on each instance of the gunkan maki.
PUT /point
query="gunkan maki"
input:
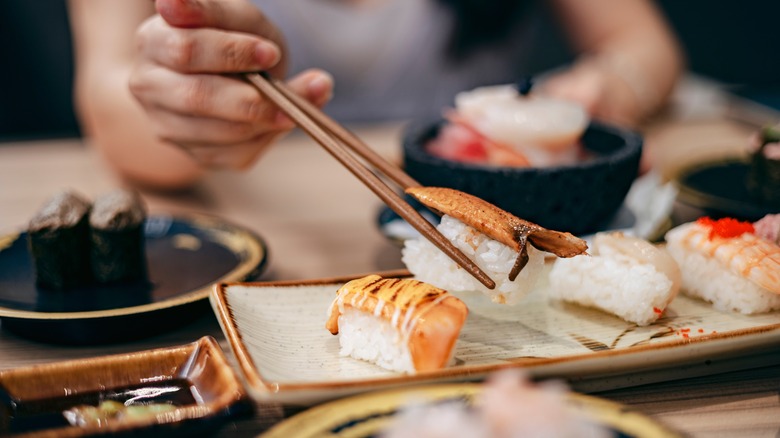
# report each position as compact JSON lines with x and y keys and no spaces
{"x":58,"y":238}
{"x":117,"y":238}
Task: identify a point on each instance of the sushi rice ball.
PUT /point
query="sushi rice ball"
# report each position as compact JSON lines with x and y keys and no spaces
{"x":625,"y":276}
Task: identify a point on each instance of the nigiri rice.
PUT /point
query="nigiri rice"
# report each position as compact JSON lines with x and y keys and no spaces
{"x":629,"y":287}
{"x":431,"y":265}
{"x":367,"y":337}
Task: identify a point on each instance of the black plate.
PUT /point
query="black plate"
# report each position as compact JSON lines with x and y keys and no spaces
{"x":185,"y":256}
{"x":719,"y":189}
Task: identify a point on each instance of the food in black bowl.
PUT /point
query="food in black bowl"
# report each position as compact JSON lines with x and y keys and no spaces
{"x":576,"y":189}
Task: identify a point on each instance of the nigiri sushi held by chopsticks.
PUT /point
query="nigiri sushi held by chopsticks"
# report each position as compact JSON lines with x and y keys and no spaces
{"x":402,"y":325}
{"x":727,"y":263}
{"x":498,"y":224}
{"x":510,"y":249}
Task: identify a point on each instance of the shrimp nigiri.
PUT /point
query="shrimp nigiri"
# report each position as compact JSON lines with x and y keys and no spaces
{"x":726,"y":263}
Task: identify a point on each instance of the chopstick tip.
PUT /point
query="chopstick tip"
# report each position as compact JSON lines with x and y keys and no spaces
{"x":486,"y":281}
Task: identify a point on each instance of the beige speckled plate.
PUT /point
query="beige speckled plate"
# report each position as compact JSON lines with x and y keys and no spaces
{"x":368,"y":415}
{"x":277,"y":333}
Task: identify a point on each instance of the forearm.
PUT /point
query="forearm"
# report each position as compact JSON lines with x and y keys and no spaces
{"x":648,"y":64}
{"x":117,"y":126}
{"x":629,"y":41}
{"x":103,"y":37}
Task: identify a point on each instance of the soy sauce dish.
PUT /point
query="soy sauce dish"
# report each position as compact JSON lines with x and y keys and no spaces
{"x":184,"y":390}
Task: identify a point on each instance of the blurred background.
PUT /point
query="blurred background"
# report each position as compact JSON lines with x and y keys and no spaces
{"x":734,"y":43}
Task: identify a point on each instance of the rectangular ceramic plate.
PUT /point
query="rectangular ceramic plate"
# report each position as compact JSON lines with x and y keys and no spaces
{"x":196,"y":378}
{"x":277,"y":332}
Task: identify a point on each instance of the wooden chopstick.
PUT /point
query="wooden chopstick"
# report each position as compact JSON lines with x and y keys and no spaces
{"x":306,"y":116}
{"x":346,"y":137}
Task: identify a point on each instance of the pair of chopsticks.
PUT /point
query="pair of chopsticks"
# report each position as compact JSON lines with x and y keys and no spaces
{"x":338,"y":141}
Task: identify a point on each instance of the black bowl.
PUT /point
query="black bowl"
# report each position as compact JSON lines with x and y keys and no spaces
{"x":579,"y":198}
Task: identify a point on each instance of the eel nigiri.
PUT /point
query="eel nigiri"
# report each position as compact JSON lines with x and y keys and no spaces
{"x":509,"y":249}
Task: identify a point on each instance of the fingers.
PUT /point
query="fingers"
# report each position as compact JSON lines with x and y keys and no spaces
{"x":602,"y":95}
{"x":582,"y":87}
{"x":216,"y":118}
{"x":314,"y":85}
{"x":241,"y":16}
{"x":237,"y":156}
{"x":205,"y":50}
{"x":183,"y":79}
{"x":220,"y":97}
{"x":184,"y":129}
{"x":199,"y":144}
{"x":208,"y":96}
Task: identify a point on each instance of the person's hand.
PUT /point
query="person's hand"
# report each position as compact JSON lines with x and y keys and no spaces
{"x":182,"y":78}
{"x":604,"y":95}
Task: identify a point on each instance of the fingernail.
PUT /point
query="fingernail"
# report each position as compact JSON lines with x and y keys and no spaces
{"x":267,"y":54}
{"x":320,"y":87}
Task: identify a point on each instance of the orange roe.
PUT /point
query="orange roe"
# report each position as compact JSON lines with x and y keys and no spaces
{"x":701,"y":330}
{"x":726,"y":227}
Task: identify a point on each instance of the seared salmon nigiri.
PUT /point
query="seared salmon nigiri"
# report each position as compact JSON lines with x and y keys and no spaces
{"x":399,"y":324}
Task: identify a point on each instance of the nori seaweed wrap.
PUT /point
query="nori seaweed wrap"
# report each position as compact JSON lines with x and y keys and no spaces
{"x":763,"y":180}
{"x":117,"y":238}
{"x":58,"y":237}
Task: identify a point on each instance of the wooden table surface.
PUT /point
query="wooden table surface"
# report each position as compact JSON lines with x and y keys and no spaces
{"x":318,"y":220}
